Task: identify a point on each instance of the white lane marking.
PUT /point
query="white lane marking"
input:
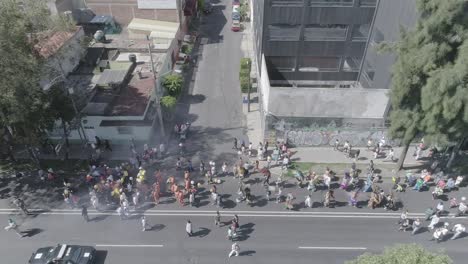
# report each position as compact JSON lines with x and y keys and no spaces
{"x":247,"y":215}
{"x":155,"y":246}
{"x":229,"y":212}
{"x":335,"y":248}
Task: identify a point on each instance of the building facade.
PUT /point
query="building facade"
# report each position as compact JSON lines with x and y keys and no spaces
{"x":320,"y":74}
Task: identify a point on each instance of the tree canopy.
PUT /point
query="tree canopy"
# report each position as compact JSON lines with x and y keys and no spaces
{"x":24,"y":107}
{"x":429,"y":83}
{"x":403,"y":254}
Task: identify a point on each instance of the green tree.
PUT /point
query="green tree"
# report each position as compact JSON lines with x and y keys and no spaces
{"x":24,"y":106}
{"x":425,"y":55}
{"x":403,"y":254}
{"x":173,"y":84}
{"x":61,"y":108}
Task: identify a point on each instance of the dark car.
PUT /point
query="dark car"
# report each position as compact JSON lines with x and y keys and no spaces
{"x":235,"y":2}
{"x":64,"y":254}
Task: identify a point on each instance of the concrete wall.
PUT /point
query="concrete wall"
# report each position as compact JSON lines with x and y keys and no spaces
{"x":125,"y":10}
{"x":324,"y":131}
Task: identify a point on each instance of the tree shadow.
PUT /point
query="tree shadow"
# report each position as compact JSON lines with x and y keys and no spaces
{"x":31,"y":232}
{"x":202,"y":232}
{"x":247,"y":253}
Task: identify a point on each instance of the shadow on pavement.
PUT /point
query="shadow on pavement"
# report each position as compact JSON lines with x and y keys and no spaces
{"x":247,"y":253}
{"x":157,"y":227}
{"x":98,"y":218}
{"x":203,"y":232}
{"x":31,"y":232}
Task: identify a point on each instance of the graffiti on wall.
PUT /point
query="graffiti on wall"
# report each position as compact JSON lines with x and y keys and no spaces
{"x":316,"y":135}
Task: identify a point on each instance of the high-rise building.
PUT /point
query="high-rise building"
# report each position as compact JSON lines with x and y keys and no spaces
{"x":320,"y":74}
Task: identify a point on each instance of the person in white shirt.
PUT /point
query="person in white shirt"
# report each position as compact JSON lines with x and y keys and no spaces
{"x":234,"y":250}
{"x":458,"y":229}
{"x":434,"y":221}
{"x":308,"y":201}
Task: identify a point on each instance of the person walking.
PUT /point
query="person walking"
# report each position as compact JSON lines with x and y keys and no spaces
{"x":234,"y":250}
{"x":336,"y":144}
{"x":308,"y":201}
{"x":458,"y":229}
{"x":84,"y":213}
{"x":13,"y":226}
{"x":390,"y":155}
{"x":107,"y":145}
{"x":217,"y":219}
{"x":188,"y":228}
{"x":434,"y":221}
{"x":235,"y":144}
{"x":143,"y":223}
{"x":416,"y":226}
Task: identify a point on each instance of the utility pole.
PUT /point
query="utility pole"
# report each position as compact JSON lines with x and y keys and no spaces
{"x":156,"y":93}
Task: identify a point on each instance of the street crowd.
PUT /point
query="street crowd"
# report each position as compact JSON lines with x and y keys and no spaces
{"x":129,"y":187}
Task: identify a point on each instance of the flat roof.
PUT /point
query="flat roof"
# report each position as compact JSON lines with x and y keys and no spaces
{"x":112,"y":76}
{"x":153,"y":25}
{"x":328,"y":102}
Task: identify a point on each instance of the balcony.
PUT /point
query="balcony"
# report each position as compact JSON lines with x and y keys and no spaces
{"x":331,"y":2}
{"x":287,"y":3}
{"x":368,"y":3}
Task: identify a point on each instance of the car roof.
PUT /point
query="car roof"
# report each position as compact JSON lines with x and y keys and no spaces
{"x":65,"y":253}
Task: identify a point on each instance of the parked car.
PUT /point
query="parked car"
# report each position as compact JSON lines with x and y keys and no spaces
{"x":63,"y":253}
{"x":235,"y":2}
{"x":235,"y":25}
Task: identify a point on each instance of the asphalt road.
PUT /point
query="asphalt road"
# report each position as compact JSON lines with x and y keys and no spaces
{"x":262,"y":238}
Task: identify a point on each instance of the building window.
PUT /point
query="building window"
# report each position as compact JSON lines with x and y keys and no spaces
{"x":331,"y":2}
{"x":314,"y":64}
{"x":377,"y":37}
{"x":279,"y":32}
{"x":369,"y":3}
{"x":125,"y":130}
{"x":281,"y":63}
{"x":352,"y":64}
{"x":360,"y":32}
{"x":325,"y":32}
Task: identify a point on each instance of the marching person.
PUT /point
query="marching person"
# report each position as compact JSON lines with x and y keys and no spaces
{"x":308,"y":201}
{"x":188,"y":228}
{"x":84,"y":213}
{"x":13,"y":226}
{"x":234,"y":250}
{"x":416,"y":226}
{"x":143,"y":223}
{"x":458,"y":229}
{"x":218,"y":218}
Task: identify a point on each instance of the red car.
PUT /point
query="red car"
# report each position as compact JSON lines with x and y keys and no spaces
{"x":235,"y":25}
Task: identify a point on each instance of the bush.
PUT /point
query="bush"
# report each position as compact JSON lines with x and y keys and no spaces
{"x":246,"y":63}
{"x":245,"y":84}
{"x":168,"y":102}
{"x":173,"y":84}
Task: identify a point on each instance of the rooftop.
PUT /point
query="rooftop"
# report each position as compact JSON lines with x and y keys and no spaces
{"x":133,"y":96}
{"x":328,"y":102}
{"x":49,"y":43}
